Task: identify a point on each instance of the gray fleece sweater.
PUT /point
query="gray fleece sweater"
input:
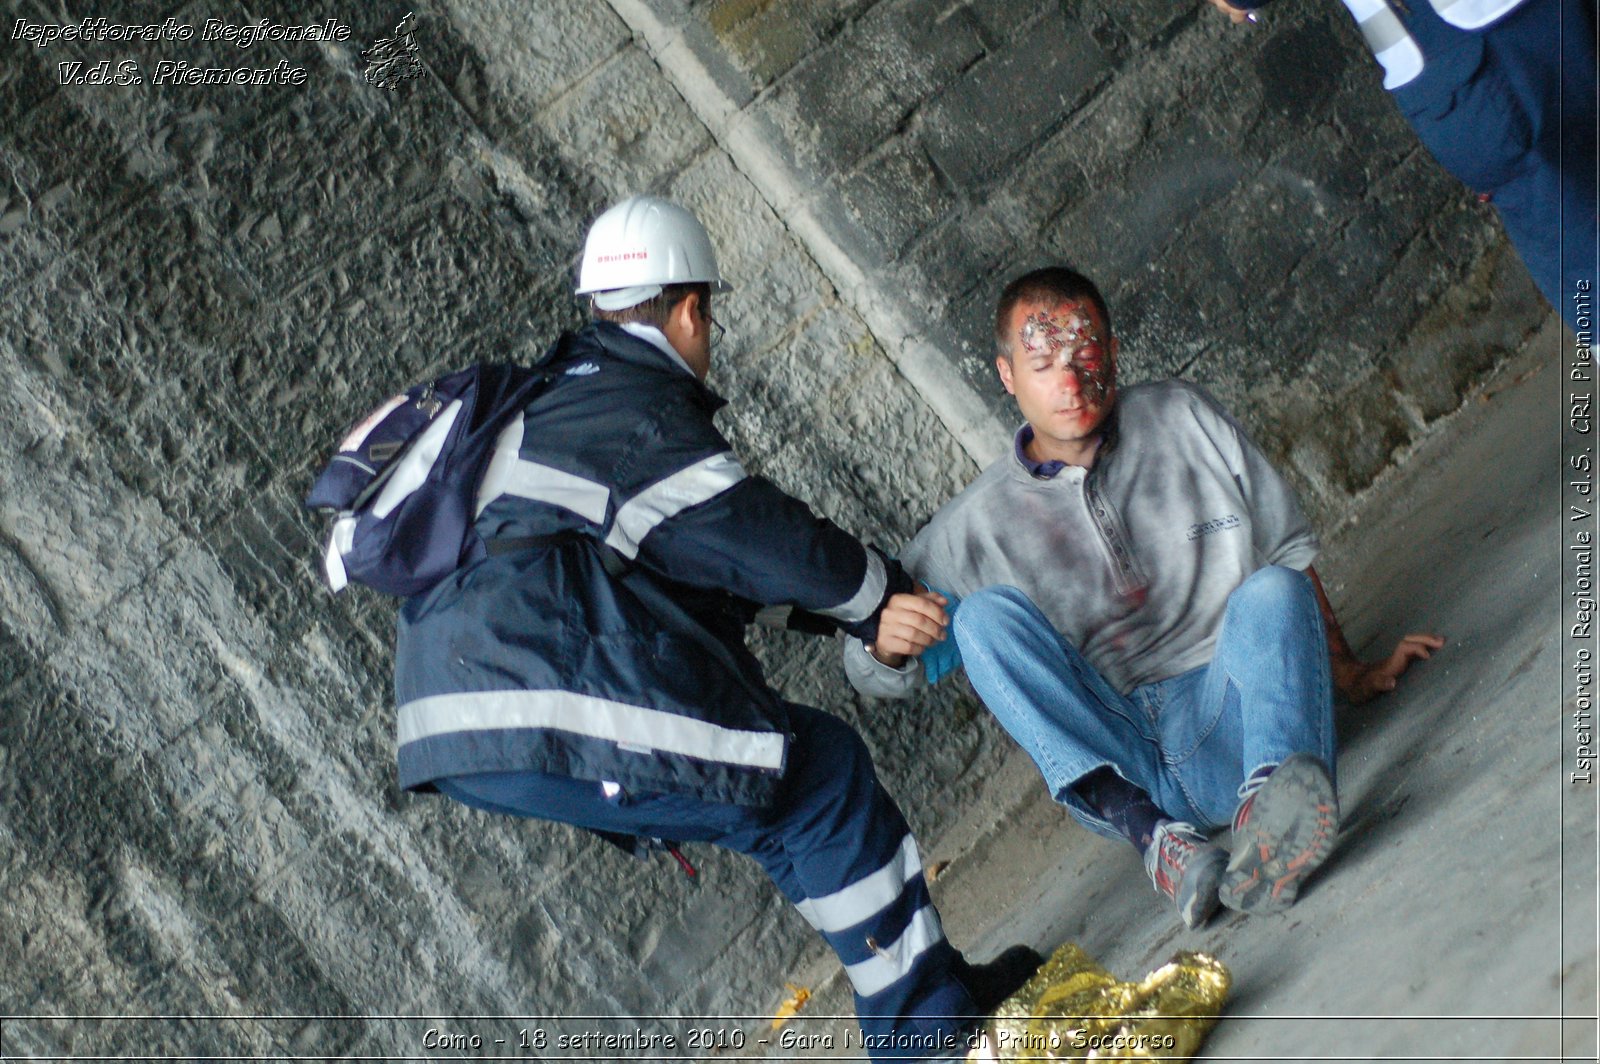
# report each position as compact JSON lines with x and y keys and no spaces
{"x":1132,"y":560}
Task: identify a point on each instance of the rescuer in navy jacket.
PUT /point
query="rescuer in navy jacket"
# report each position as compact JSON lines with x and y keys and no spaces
{"x":592,"y":669}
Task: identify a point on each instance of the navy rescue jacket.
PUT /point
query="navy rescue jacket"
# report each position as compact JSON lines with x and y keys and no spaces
{"x":537,"y":658}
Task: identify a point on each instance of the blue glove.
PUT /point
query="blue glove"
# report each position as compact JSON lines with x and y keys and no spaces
{"x":944,"y":657}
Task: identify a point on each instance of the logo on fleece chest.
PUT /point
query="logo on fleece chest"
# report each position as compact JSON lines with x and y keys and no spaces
{"x":1216,"y":524}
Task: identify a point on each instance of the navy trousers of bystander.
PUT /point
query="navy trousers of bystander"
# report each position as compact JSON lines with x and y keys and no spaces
{"x":835,"y":844}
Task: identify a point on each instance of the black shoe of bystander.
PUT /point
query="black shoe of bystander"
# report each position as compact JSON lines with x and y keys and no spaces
{"x":994,"y":981}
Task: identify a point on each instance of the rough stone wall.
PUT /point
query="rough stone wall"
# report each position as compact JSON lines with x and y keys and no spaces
{"x":1258,"y":214}
{"x":199,"y":808}
{"x":204,"y":285}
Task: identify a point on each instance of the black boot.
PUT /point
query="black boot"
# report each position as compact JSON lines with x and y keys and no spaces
{"x":993,"y":982}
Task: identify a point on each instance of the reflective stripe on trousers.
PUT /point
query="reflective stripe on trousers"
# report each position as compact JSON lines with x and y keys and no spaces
{"x":833,"y":842}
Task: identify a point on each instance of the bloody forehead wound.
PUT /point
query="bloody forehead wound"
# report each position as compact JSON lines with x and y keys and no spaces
{"x":1047,"y":331}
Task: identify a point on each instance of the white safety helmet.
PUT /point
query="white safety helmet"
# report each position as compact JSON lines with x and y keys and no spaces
{"x":638,"y":246}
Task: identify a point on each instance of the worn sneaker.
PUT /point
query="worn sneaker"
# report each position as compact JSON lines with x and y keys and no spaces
{"x":994,"y":981}
{"x":1186,"y":867}
{"x":1281,"y":832}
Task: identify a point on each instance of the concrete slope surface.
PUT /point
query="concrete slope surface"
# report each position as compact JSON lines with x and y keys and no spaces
{"x":221,"y":243}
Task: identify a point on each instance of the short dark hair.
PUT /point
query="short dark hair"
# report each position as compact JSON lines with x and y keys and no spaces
{"x":656,"y":309}
{"x":1052,"y":284}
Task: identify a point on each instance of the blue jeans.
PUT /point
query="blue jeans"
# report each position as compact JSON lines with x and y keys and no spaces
{"x":1189,"y":741}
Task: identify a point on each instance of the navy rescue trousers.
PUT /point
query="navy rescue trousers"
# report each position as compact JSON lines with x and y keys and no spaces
{"x":836,"y":845}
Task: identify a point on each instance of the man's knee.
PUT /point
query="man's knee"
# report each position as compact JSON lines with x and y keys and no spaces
{"x":1273,"y":585}
{"x":831,"y":748}
{"x":986,"y":613}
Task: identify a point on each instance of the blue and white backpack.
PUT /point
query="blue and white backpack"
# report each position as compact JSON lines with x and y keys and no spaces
{"x":404,"y":483}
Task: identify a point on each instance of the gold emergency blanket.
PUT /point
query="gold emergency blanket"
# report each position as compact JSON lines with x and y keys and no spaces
{"x":1073,"y":1009}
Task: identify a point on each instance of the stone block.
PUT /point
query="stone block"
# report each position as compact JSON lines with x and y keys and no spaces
{"x":1363,"y":442}
{"x":628,"y":118}
{"x":745,"y":231}
{"x":1097,"y":23}
{"x":1161,"y":330}
{"x":769,"y":304}
{"x":1340,"y":282}
{"x":1002,"y":22}
{"x":1418,"y":190}
{"x":1470,"y":328}
{"x":830,"y":377}
{"x":28,"y":81}
{"x":1024,"y":92}
{"x":961,"y":253}
{"x":970,"y":321}
{"x":861,"y":88}
{"x":59,"y":197}
{"x":1334,"y":177}
{"x":1251,"y":242}
{"x":832,"y":111}
{"x":1300,"y":68}
{"x":1148,"y":23}
{"x":1038,"y":188}
{"x":1372,"y":134}
{"x":768,"y":37}
{"x":895,"y":196}
{"x":526,"y":55}
{"x":1120,"y":230}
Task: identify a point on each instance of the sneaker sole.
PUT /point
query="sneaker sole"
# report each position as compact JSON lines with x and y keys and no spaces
{"x":1292,"y":827}
{"x":1199,"y":901}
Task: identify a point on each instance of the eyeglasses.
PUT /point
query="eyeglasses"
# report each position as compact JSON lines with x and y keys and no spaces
{"x":716,"y":330}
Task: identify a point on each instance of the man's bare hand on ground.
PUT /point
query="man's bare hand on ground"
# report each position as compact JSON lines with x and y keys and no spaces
{"x":1360,"y":681}
{"x":910,"y":624}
